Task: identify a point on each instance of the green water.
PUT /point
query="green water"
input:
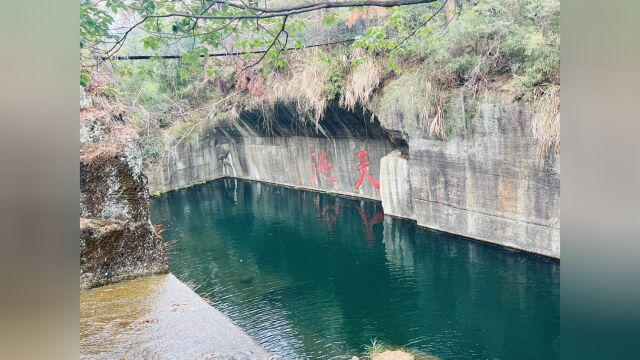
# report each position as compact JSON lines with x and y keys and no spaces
{"x":313,"y":276}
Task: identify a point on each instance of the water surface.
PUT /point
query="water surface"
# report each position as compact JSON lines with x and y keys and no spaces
{"x":313,"y":276}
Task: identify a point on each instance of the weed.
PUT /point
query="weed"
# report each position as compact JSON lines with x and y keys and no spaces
{"x":376,"y":347}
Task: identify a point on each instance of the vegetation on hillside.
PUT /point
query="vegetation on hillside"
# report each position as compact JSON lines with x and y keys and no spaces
{"x":412,"y":55}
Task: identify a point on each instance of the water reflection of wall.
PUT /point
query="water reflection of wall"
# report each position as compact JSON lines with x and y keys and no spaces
{"x":398,"y":246}
{"x":463,"y":286}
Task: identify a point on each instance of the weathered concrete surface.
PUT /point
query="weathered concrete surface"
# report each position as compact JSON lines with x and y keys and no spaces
{"x":485,"y":182}
{"x":117,"y":240}
{"x":282,"y":154}
{"x":288,"y":161}
{"x":280,"y":160}
{"x":395,"y":185}
{"x":158,"y":317}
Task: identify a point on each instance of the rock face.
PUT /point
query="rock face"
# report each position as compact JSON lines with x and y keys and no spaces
{"x":117,"y":240}
{"x":484,"y":181}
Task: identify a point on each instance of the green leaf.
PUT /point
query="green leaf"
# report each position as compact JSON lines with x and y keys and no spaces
{"x":84,"y":78}
{"x":148,"y":6}
{"x":329,"y":19}
{"x":393,"y":65}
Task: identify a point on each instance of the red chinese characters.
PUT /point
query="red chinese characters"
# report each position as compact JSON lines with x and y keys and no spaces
{"x":321,"y":168}
{"x":362,"y":168}
{"x":367,"y":225}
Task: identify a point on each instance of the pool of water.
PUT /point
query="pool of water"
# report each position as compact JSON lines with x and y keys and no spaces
{"x":314,"y":276}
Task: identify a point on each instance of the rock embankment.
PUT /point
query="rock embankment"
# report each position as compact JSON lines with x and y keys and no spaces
{"x":117,"y":240}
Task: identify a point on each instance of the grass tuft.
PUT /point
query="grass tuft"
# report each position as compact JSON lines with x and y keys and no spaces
{"x":361,"y":83}
{"x":376,"y":347}
{"x":545,"y":123}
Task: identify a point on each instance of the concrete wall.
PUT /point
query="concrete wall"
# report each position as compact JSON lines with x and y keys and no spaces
{"x":281,"y":160}
{"x":484,"y":181}
{"x":395,"y":185}
{"x":282,"y":155}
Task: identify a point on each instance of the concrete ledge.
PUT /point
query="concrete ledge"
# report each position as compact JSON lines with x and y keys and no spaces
{"x":530,"y":237}
{"x":158,"y":317}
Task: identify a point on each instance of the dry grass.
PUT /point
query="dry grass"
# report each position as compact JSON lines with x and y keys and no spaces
{"x":105,"y":121}
{"x":306,"y":87}
{"x":195,"y":123}
{"x":99,"y":150}
{"x":432,"y":113}
{"x":303,"y":85}
{"x":413,"y":101}
{"x":545,"y":123}
{"x":361,"y":84}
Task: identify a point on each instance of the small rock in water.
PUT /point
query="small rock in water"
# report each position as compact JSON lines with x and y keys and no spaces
{"x":247,"y":278}
{"x":393,"y":355}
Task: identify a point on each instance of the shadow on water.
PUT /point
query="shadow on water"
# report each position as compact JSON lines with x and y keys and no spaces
{"x":310,"y":275}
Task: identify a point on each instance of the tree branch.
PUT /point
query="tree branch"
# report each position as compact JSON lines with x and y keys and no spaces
{"x":275,"y":39}
{"x":334,"y":4}
{"x":255,"y":12}
{"x":281,"y":12}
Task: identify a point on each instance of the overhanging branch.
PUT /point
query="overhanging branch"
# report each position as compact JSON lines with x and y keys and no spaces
{"x":219,"y":54}
{"x":253,"y":12}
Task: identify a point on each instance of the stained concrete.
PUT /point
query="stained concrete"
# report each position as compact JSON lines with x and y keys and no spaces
{"x":158,"y":317}
{"x":395,"y":185}
{"x":285,"y":153}
{"x":486,"y":182}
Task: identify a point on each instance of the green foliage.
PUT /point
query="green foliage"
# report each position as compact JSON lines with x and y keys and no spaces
{"x":84,"y":78}
{"x":95,"y":21}
{"x":330,"y":19}
{"x":335,"y":69}
{"x":375,"y":38}
{"x":392,"y":65}
{"x":404,"y":98}
{"x":151,"y":148}
{"x":489,"y":38}
{"x":419,"y":55}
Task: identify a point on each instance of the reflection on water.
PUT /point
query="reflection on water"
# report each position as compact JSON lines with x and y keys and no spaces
{"x":314,"y":276}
